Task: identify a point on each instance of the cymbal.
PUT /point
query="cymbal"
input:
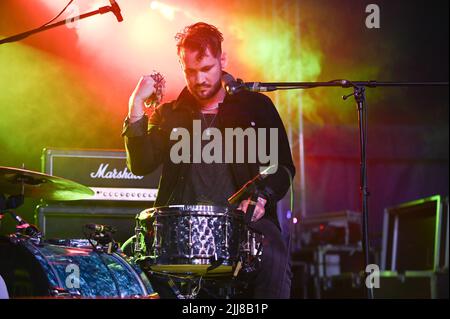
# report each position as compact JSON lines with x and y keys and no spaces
{"x":38,"y":185}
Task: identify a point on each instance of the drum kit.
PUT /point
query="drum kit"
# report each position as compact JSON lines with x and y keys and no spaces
{"x":199,"y":251}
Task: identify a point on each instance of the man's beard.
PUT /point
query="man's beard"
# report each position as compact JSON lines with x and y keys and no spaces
{"x":215,"y":88}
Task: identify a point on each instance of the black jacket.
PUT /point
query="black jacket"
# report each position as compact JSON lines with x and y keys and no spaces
{"x":148,"y":144}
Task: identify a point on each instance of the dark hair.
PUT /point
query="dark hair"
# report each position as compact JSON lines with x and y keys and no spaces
{"x":199,"y":37}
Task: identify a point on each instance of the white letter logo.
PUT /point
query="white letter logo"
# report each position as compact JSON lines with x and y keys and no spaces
{"x":373,"y":277}
{"x":246,"y":149}
{"x":73,"y":280}
{"x":373,"y":19}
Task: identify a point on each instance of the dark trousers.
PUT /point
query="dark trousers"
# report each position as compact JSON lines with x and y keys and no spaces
{"x":272,"y":279}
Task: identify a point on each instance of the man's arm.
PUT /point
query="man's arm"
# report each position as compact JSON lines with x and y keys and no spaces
{"x":277,"y":184}
{"x":144,"y":140}
{"x":145,"y":144}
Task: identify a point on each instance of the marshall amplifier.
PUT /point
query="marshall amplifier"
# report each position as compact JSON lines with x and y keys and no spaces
{"x":103,"y":170}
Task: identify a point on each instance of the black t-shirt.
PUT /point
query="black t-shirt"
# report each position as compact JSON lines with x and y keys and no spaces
{"x":207,"y":183}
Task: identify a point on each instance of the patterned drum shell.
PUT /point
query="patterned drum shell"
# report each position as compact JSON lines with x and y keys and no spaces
{"x":190,"y":238}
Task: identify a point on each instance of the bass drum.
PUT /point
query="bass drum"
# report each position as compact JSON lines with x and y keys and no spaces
{"x":68,"y":268}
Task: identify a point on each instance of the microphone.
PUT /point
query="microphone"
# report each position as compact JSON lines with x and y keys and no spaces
{"x":29,"y":229}
{"x":100,"y":228}
{"x":233,"y":86}
{"x":116,"y":10}
{"x":251,"y":186}
{"x":230,"y":85}
{"x":20,"y":221}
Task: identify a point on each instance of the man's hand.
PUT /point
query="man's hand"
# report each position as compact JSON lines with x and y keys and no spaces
{"x":259,"y":211}
{"x":144,"y":89}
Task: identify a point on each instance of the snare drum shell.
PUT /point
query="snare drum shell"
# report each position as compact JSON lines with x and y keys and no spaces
{"x":192,"y":235}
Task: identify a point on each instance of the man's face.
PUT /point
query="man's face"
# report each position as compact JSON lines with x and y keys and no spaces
{"x":203,"y":77}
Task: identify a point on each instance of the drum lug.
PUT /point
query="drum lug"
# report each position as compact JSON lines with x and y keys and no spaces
{"x":226,"y":234}
{"x":190,"y":237}
{"x":62,"y":292}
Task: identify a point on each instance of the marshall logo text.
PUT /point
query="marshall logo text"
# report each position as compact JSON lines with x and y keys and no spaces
{"x":103,"y":172}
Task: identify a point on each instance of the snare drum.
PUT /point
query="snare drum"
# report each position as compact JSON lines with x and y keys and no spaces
{"x":68,"y":269}
{"x":192,"y":239}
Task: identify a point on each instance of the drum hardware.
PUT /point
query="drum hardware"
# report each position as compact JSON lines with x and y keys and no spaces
{"x":253,"y":189}
{"x":6,"y":207}
{"x":175,"y":289}
{"x":59,"y":292}
{"x":192,"y":287}
{"x":237,"y":269}
{"x":138,"y":247}
{"x":226,"y":237}
{"x":26,"y":228}
{"x":215,"y":262}
{"x":101,"y":237}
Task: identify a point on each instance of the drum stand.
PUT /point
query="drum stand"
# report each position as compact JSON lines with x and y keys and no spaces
{"x":195,"y":286}
{"x":12,"y":202}
{"x":203,"y":286}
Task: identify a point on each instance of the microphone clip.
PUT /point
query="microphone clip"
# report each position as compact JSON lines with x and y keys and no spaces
{"x":235,"y":87}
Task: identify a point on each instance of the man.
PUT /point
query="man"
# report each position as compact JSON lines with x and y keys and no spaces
{"x":148,"y":144}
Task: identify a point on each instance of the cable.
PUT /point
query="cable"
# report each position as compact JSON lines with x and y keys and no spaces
{"x":291,"y":186}
{"x":58,"y":15}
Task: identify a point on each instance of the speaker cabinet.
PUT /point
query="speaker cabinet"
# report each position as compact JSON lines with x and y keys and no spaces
{"x":66,"y":221}
{"x":412,"y":238}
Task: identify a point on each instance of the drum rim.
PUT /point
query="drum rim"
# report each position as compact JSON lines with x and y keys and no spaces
{"x":194,"y":207}
{"x":206,"y":210}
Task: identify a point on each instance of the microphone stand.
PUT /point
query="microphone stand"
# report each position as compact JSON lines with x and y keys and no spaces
{"x":26,"y":34}
{"x":360,"y":98}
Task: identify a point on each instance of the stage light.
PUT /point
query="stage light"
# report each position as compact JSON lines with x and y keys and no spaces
{"x":288,"y":214}
{"x":168,"y":11}
{"x":165,"y":10}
